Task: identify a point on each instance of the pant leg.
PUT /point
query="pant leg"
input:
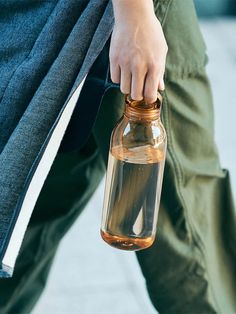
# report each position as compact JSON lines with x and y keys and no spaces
{"x":178,"y":247}
{"x":191,"y":266}
{"x":190,"y":269}
{"x":71,"y":181}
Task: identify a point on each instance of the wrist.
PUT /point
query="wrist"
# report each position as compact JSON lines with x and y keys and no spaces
{"x":128,"y":10}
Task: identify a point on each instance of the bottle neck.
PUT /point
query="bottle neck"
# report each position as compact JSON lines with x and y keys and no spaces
{"x":140,"y":110}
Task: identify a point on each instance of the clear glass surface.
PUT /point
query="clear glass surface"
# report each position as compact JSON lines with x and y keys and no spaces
{"x":133,"y":183}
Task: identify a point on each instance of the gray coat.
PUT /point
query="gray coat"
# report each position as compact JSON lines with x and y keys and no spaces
{"x":47,"y":51}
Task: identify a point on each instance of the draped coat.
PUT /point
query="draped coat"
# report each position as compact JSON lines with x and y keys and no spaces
{"x":53,"y":62}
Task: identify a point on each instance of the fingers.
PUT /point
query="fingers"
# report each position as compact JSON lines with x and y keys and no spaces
{"x":115,"y":72}
{"x":152,"y":81}
{"x":161,"y":85}
{"x":139,"y":81}
{"x":138,"y":52}
{"x":138,"y":76}
{"x":125,"y":82}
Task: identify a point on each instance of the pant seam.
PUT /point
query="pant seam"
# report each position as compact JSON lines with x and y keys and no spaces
{"x":161,"y":9}
{"x":176,"y":166}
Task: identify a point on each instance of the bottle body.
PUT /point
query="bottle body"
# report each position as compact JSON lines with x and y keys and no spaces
{"x":133,"y":183}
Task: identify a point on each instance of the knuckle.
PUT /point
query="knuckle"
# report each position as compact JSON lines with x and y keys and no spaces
{"x":155,"y":62}
{"x":154,"y":67}
{"x":152,"y":64}
{"x":138,"y":72}
{"x":139,"y":66}
{"x":137,"y":59}
{"x":124,"y":61}
{"x":113,"y":58}
{"x":138,"y":62}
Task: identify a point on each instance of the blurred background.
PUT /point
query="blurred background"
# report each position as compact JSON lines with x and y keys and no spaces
{"x":213,"y":8}
{"x":88,"y":276}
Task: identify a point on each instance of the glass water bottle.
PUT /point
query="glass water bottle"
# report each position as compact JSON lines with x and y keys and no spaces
{"x":134,"y":176}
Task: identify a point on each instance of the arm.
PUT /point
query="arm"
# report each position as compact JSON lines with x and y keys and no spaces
{"x":138,"y":49}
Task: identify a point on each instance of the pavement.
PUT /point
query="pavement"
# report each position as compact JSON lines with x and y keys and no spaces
{"x":87,"y":275}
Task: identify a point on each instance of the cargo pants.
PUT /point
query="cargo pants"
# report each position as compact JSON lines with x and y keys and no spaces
{"x":191,"y":267}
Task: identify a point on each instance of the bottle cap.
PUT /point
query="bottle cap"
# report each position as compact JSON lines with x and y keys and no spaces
{"x":139,"y":109}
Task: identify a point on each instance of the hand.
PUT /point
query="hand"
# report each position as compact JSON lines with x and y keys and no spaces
{"x":138,"y":50}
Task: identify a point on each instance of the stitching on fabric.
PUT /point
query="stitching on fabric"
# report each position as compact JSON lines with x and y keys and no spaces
{"x":156,"y":5}
{"x":179,"y":170}
{"x":176,"y":165}
{"x":161,"y":8}
{"x":167,"y":3}
{"x":175,"y":72}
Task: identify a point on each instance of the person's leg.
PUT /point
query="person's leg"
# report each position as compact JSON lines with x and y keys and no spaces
{"x":190,"y":269}
{"x":71,"y":181}
{"x":191,"y":266}
{"x":177,"y":261}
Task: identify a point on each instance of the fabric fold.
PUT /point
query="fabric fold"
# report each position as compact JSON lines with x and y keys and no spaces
{"x":39,"y":123}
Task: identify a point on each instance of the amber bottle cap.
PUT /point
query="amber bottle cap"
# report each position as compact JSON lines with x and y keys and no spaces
{"x":139,"y":109}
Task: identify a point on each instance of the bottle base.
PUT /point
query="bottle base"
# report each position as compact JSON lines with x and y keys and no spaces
{"x":127,"y":243}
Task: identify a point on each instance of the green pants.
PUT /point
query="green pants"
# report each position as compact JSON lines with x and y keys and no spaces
{"x":191,"y":266}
